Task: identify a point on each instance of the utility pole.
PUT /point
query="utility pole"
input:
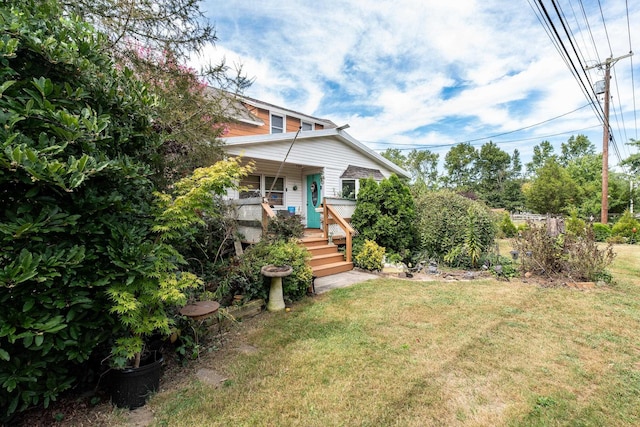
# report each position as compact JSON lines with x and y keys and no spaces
{"x":607,"y":64}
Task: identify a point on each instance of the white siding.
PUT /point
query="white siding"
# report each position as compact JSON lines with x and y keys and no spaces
{"x":307,"y":156}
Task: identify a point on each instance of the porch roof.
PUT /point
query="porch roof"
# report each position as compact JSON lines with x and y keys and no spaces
{"x":340,"y":135}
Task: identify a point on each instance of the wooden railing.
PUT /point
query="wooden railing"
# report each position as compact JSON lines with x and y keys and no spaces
{"x":331,"y":216}
{"x":267,"y":213}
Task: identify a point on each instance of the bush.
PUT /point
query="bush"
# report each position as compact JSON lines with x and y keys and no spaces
{"x":448,"y":221}
{"x":285,"y":227}
{"x":369,"y":256}
{"x":602,"y":232}
{"x":507,"y":227}
{"x":385,"y":213}
{"x":627,"y":227}
{"x":577,"y":258}
{"x":575,"y":225}
{"x":75,"y":197}
{"x":243,"y":276}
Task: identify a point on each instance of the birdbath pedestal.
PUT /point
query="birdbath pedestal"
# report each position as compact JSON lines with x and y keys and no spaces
{"x":276,"y":272}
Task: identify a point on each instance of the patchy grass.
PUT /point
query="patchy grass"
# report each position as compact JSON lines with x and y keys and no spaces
{"x":410,"y":353}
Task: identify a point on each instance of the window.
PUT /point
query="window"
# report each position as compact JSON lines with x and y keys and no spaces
{"x":349,"y":188}
{"x":277,"y":124}
{"x":275,"y":195}
{"x":306,"y":126}
{"x":252,"y":184}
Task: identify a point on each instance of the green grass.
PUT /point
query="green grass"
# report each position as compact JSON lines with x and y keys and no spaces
{"x":407,"y":353}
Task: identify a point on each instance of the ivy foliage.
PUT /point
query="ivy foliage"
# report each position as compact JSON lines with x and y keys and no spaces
{"x":385,"y":213}
{"x":453,"y":228}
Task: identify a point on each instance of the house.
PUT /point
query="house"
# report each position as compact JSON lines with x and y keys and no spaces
{"x":303,"y":165}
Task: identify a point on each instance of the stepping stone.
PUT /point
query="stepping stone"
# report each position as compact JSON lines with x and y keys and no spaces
{"x":246,"y":349}
{"x":211,"y":377}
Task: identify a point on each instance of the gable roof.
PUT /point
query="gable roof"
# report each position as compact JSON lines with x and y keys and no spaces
{"x":336,"y":133}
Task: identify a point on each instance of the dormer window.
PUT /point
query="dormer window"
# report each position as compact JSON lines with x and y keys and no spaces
{"x":306,"y":126}
{"x":277,"y":123}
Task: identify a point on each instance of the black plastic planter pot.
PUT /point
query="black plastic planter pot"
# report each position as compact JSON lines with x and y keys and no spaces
{"x":131,"y":387}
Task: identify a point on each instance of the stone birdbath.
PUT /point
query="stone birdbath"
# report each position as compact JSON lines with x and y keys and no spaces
{"x":276,"y":272}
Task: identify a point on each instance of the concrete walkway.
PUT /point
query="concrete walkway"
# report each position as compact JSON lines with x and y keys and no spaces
{"x":342,"y":280}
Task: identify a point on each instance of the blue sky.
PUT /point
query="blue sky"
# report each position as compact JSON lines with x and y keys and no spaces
{"x":429,"y":74}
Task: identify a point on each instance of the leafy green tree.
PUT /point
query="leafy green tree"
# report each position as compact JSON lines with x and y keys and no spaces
{"x":385,"y":214}
{"x":553,"y":190}
{"x":633,"y":161}
{"x":395,"y":155}
{"x":423,"y":165}
{"x":586,"y":172}
{"x":460,"y":164}
{"x":575,"y":148}
{"x":541,"y":153}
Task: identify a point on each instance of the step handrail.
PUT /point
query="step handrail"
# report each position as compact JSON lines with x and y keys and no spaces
{"x":267,"y":213}
{"x":330,"y":212}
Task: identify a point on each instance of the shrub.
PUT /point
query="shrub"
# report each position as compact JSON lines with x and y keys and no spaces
{"x":574,"y":257}
{"x":75,"y":197}
{"x":507,"y":227}
{"x":575,"y":225}
{"x":285,"y":227}
{"x":469,"y":252}
{"x":385,"y":213}
{"x":445,"y":222}
{"x":369,"y":256}
{"x":243,"y":275}
{"x":602,"y":232}
{"x":627,"y":226}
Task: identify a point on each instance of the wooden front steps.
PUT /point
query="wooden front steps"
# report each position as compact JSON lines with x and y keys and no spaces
{"x":325,"y":258}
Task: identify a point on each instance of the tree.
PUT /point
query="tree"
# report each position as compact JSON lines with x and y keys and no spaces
{"x":553,"y":190}
{"x":460,"y":164}
{"x":633,"y":161}
{"x":155,"y":39}
{"x":586,"y":171}
{"x":423,"y":165}
{"x":395,"y":155}
{"x":516,"y":165}
{"x":493,"y":171}
{"x":541,"y":153}
{"x":575,"y":148}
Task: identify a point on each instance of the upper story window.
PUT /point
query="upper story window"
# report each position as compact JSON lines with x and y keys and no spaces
{"x":277,"y":123}
{"x":306,"y":126}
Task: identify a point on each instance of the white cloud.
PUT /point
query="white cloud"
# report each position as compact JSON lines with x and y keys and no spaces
{"x":391,"y":67}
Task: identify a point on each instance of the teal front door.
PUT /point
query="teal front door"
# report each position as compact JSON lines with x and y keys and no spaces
{"x":314,"y":200}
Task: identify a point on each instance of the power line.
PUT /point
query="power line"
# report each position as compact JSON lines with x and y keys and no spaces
{"x":427,"y":146}
{"x":516,"y":130}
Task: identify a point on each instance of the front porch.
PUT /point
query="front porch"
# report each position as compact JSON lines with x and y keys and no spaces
{"x":330,"y":245}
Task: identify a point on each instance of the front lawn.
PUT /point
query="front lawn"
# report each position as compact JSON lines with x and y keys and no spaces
{"x":409,"y":353}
